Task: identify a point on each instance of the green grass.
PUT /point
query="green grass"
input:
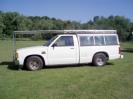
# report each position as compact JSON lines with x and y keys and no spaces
{"x":113,"y":81}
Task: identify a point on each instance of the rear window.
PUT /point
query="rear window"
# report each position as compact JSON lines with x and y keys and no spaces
{"x":111,"y":40}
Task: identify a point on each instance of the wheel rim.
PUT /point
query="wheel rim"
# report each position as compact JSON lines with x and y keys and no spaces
{"x":100,"y":61}
{"x":34,"y":65}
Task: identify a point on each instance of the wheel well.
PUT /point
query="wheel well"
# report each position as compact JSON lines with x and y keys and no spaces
{"x":103,"y":53}
{"x":34,"y":55}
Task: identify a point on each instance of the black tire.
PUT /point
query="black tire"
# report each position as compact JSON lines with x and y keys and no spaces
{"x":34,"y":63}
{"x":99,"y":59}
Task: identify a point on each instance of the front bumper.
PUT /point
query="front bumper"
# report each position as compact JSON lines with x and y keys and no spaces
{"x":16,"y":62}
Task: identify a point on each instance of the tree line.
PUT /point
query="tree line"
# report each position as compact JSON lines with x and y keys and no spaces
{"x":13,"y":21}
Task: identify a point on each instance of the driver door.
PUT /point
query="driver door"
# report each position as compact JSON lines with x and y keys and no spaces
{"x":62,"y":51}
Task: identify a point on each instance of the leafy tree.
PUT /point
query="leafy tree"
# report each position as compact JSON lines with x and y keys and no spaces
{"x":96,"y":18}
{"x":11,"y":21}
{"x":2,"y":26}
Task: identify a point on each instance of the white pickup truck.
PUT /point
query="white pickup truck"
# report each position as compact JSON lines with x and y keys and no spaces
{"x":78,"y":47}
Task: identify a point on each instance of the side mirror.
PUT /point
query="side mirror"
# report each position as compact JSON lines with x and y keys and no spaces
{"x":54,"y":45}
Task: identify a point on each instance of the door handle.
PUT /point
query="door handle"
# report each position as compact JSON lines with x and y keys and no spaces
{"x":71,"y":48}
{"x":43,"y":52}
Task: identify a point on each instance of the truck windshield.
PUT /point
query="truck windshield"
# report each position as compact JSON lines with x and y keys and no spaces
{"x":50,"y":41}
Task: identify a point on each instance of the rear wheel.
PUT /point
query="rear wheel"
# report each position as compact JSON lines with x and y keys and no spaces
{"x":99,"y":59}
{"x":34,"y":63}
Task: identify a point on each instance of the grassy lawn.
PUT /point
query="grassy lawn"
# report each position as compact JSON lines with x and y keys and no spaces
{"x":113,"y":81}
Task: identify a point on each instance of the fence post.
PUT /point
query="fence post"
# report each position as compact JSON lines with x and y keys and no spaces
{"x":14,"y":46}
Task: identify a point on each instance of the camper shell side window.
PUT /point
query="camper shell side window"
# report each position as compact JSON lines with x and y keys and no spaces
{"x":98,"y":40}
{"x":111,"y":40}
{"x":86,"y":40}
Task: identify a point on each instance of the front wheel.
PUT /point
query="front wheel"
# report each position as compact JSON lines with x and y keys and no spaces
{"x":99,"y":59}
{"x":34,"y":63}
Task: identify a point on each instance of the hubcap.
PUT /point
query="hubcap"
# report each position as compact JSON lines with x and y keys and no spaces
{"x":100,"y":61}
{"x":34,"y":65}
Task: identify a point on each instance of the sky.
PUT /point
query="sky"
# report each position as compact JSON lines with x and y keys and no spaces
{"x":74,"y":10}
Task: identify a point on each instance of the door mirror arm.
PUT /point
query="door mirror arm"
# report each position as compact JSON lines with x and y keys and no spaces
{"x":54,"y":45}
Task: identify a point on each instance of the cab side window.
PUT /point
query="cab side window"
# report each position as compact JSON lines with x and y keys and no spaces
{"x":64,"y":41}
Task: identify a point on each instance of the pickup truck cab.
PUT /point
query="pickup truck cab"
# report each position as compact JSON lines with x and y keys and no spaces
{"x":95,"y":47}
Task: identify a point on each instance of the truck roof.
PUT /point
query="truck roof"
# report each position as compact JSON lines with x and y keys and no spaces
{"x":67,"y":31}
